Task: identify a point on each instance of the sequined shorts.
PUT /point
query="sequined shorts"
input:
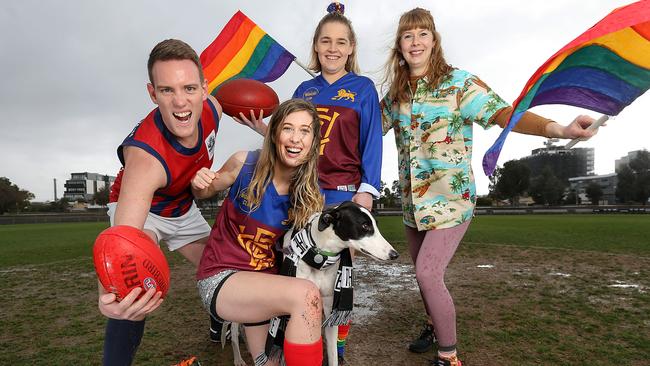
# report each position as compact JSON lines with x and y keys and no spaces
{"x":209,"y":289}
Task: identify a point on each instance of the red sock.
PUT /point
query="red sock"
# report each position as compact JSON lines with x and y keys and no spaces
{"x":344,"y":330}
{"x":303,"y":354}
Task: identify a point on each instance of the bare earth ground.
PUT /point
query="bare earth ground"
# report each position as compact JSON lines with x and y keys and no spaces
{"x":515,"y":306}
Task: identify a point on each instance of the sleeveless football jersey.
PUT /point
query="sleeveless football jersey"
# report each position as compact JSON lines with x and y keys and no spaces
{"x":180,"y":163}
{"x":351,"y":136}
{"x":241,"y":239}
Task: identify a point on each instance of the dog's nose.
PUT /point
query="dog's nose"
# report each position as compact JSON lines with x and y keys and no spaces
{"x":393,"y":254}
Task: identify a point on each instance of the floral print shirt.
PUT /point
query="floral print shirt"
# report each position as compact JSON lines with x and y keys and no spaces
{"x":433,"y":134}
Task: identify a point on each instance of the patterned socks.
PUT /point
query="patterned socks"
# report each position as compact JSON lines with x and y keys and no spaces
{"x":342,"y":338}
{"x":303,"y":354}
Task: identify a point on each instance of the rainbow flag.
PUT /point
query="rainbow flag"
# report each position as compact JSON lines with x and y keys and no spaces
{"x":243,"y":50}
{"x":604,"y":69}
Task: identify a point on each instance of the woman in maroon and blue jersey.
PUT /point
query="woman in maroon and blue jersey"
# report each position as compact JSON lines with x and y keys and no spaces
{"x":349,"y":167}
{"x":270,"y":190}
{"x":350,"y":155}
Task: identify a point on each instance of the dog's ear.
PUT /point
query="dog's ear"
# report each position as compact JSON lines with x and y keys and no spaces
{"x":327,"y":218}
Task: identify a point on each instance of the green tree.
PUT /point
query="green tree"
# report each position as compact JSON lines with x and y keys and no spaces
{"x":383,"y":192}
{"x":572,"y":198}
{"x":510,"y":182}
{"x":61,"y":205}
{"x":483,"y":201}
{"x":625,"y":185}
{"x":634,"y":180}
{"x":101,"y":197}
{"x":388,"y":197}
{"x":594,"y":192}
{"x":396,"y":189}
{"x":641,"y":167}
{"x":12,"y":198}
{"x":546,"y":188}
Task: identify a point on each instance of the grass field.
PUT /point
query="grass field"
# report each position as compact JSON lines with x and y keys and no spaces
{"x":529,"y":290}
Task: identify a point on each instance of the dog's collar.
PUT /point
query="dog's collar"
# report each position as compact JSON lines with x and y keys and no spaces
{"x":303,"y":247}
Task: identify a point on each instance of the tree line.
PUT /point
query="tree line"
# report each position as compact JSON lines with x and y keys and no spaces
{"x":510,"y":182}
{"x":515,"y":180}
{"x":13,"y":199}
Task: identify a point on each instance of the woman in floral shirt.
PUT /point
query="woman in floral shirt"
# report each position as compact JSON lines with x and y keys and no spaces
{"x":432,"y":107}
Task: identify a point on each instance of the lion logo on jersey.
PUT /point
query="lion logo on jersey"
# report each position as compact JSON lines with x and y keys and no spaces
{"x":344,"y":94}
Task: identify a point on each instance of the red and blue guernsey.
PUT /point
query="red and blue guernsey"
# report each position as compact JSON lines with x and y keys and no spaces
{"x":180,"y":163}
{"x":351,"y":144}
{"x":241,"y":239}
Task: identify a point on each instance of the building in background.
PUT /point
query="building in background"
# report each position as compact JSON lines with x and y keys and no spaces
{"x":83,"y":186}
{"x":625,"y":160}
{"x":565,"y":163}
{"x":607,"y":183}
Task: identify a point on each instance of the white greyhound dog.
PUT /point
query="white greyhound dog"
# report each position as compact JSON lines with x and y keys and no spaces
{"x":316,"y":252}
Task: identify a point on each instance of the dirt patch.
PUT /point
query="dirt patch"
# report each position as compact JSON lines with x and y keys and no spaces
{"x":515,"y":306}
{"x":526,"y":301}
{"x":510,"y":299}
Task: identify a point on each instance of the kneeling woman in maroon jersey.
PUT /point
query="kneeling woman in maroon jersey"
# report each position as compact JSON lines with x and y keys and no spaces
{"x":270,"y":190}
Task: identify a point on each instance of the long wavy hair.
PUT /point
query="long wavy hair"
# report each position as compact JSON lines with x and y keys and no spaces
{"x":351,"y":64}
{"x":397,"y":74}
{"x":305,"y":196}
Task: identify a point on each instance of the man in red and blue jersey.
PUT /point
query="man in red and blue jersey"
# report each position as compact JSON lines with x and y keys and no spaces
{"x":152,"y":191}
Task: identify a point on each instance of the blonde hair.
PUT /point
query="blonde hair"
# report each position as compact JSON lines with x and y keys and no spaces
{"x":397,"y":74}
{"x":305,"y":197}
{"x":335,"y":17}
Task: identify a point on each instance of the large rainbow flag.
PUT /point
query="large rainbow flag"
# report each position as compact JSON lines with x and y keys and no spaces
{"x":243,"y":50}
{"x":604,"y":69}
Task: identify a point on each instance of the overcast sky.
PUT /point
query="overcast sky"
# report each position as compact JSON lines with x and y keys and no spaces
{"x":74,"y":72}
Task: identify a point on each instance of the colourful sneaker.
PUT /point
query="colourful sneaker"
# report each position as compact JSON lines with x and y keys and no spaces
{"x":192,"y":361}
{"x":438,"y":361}
{"x":424,"y":342}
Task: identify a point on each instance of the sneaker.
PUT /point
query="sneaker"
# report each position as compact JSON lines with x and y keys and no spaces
{"x":424,"y":342}
{"x":215,"y":335}
{"x":215,"y":330}
{"x":454,"y":361}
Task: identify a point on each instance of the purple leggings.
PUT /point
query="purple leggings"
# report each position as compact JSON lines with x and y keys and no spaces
{"x":431,"y":252}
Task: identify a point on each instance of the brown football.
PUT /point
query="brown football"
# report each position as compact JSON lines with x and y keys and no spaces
{"x":243,"y":95}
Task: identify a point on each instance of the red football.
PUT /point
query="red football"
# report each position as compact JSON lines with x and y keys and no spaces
{"x":242,"y":95}
{"x":126,"y":258}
